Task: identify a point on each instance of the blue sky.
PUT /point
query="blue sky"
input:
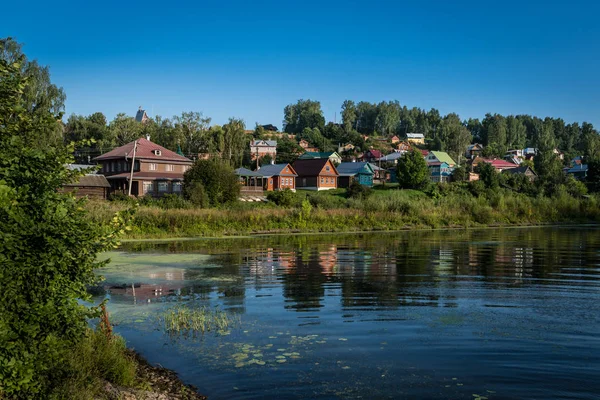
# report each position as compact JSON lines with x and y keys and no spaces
{"x":249,"y":59}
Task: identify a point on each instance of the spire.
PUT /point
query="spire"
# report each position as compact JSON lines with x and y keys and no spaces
{"x":179,"y":150}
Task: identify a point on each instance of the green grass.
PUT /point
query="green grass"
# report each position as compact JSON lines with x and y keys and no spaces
{"x":188,"y":321}
{"x":93,"y":361}
{"x":385,"y":209}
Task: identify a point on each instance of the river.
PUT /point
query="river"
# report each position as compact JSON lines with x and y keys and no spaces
{"x":455,"y":314}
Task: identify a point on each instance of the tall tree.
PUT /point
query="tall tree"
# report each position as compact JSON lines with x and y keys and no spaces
{"x":455,"y":136}
{"x":124,"y":129}
{"x":412,"y":171}
{"x":388,"y":117}
{"x":39,"y":96}
{"x":303,"y":114}
{"x":349,"y":115}
{"x":516,"y":133}
{"x":547,"y":164}
{"x":235,"y":141}
{"x":192,"y":127}
{"x":494,"y":133}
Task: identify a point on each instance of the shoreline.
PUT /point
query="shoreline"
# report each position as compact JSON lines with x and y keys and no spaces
{"x":293,"y":232}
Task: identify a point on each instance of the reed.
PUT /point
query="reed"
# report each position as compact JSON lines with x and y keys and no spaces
{"x":189,"y":321}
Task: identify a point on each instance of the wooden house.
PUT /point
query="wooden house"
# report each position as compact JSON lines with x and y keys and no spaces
{"x":522,"y":170}
{"x":315,"y":174}
{"x":417,"y":138}
{"x":278,"y":177}
{"x":331,"y":155}
{"x":93,"y":186}
{"x":156,"y":171}
{"x":361,"y":172}
{"x":474,"y":150}
{"x":440,"y":165}
{"x":403,"y":147}
{"x":395,"y":139}
{"x":372,"y":155}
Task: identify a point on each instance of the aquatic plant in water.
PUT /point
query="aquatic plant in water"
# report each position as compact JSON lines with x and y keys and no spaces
{"x":185,"y":321}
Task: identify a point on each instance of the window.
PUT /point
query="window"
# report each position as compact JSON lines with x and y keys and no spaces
{"x":170,"y":167}
{"x":136,"y":167}
{"x":176,"y":187}
{"x":152,"y":167}
{"x":322,"y":180}
{"x":327,"y":168}
{"x":163,"y":186}
{"x":156,"y":152}
{"x":184,"y":168}
{"x":148,"y":187}
{"x":119,"y":166}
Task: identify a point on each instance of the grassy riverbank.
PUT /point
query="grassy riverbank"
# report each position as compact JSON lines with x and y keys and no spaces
{"x":333,"y":212}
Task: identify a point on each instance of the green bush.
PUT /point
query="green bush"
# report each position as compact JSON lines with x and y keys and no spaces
{"x":48,"y":247}
{"x":284,"y":198}
{"x":171,"y":201}
{"x":218,"y":181}
{"x":358,"y":191}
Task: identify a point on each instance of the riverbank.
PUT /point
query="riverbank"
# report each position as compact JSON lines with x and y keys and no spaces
{"x":389,"y":210}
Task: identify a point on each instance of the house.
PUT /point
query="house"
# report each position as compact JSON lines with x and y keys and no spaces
{"x":90,"y":185}
{"x":417,"y":138}
{"x":577,"y":161}
{"x":529,"y":153}
{"x":424,"y":152}
{"x":440,"y":171}
{"x":395,"y":139}
{"x":514,"y":153}
{"x":331,"y":155}
{"x":578,"y":171}
{"x":251,"y":181}
{"x":403,"y":147}
{"x":315,"y":174}
{"x":441,"y":166}
{"x":474,"y":150}
{"x":307,"y":147}
{"x":522,"y":170}
{"x":345,"y":148}
{"x":499,"y":165}
{"x":439,"y":157}
{"x":260,"y":148}
{"x":372,"y":155}
{"x":141,"y":116}
{"x":392,"y":157}
{"x":278,"y":177}
{"x":362,"y":172}
{"x":156,"y":170}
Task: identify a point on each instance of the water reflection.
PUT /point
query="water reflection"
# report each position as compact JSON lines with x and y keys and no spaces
{"x":508,"y":309}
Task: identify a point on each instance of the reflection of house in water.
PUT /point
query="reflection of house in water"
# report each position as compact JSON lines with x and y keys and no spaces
{"x":145,"y":292}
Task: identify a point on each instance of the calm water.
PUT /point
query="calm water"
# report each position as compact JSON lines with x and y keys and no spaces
{"x":506,"y":313}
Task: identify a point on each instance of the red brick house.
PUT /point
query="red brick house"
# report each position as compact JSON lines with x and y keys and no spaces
{"x":156,"y":171}
{"x":260,"y":148}
{"x":278,"y":177}
{"x":316,"y":174}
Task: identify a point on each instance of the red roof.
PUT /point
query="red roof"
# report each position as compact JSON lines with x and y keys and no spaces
{"x":500,"y":164}
{"x":145,"y":150}
{"x":313,"y":167}
{"x":425,"y":152}
{"x":375,"y":153}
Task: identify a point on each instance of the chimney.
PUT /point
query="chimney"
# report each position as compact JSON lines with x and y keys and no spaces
{"x":148,"y":137}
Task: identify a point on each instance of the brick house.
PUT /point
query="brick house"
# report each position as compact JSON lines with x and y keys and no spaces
{"x":260,"y":148}
{"x":157,"y":171}
{"x":316,"y":174}
{"x":278,"y":177}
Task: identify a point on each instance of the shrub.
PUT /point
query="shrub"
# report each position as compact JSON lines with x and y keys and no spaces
{"x":358,"y":191}
{"x":219,"y":182}
{"x":170,"y":201}
{"x":196,"y":194}
{"x":283,"y":198}
{"x":412,"y":171}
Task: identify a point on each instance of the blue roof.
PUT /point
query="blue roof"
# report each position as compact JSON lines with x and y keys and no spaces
{"x":354,"y":168}
{"x":578,"y":168}
{"x":392,"y":156}
{"x":273,"y":170}
{"x":246,"y":172}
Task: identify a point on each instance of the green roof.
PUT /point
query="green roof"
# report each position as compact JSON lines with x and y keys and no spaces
{"x":312,"y":154}
{"x":443,"y":157}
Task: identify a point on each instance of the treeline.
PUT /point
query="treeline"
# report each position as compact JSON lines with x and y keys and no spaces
{"x":448,"y":133}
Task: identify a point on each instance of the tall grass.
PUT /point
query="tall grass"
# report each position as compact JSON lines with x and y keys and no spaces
{"x":96,"y":359}
{"x":188,"y":321}
{"x":384,"y":210}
